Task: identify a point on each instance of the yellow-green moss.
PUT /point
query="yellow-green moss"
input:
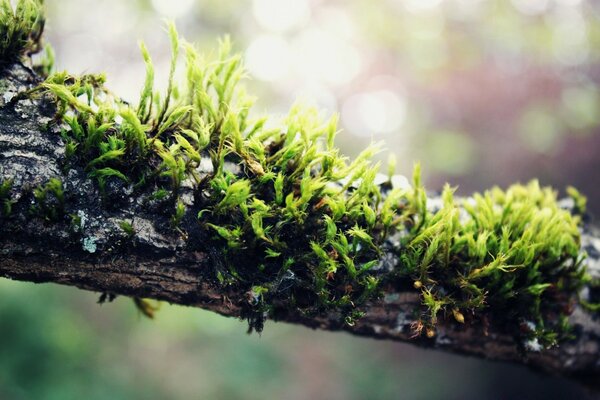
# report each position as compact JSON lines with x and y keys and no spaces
{"x":512,"y":254}
{"x":20,"y":29}
{"x":302,"y":228}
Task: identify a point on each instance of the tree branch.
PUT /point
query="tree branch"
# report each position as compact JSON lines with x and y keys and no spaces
{"x":89,"y":248}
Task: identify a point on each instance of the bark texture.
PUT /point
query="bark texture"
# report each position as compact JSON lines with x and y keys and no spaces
{"x":95,"y":254}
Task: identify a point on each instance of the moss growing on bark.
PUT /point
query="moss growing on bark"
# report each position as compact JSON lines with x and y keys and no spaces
{"x":298,"y":226}
{"x":20,"y":29}
{"x":513,"y":254}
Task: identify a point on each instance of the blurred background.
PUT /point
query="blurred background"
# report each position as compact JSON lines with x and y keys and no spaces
{"x":482,"y":92}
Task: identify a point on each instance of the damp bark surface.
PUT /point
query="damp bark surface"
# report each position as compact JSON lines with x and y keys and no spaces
{"x":86,"y":247}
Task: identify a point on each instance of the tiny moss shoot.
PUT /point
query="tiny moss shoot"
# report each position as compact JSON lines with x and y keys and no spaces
{"x":297,"y":225}
{"x":49,"y":200}
{"x":127,"y":228}
{"x":6,"y":201}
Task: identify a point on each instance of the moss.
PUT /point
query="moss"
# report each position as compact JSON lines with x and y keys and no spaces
{"x":281,"y":208}
{"x":299,"y":227}
{"x":147,"y":307}
{"x":49,"y":200}
{"x":6,"y":200}
{"x":127,"y":228}
{"x":514,"y":254}
{"x":20,"y":29}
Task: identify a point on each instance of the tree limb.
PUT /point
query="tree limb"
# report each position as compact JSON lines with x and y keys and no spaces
{"x":93,"y":252}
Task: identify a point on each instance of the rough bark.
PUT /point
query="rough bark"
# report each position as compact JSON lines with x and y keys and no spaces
{"x":95,"y":254}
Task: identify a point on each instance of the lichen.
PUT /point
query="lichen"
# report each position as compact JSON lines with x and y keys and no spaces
{"x":298,"y":227}
{"x":89,"y":244}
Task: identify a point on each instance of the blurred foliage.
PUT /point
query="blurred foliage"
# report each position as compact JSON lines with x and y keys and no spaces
{"x":57,"y":343}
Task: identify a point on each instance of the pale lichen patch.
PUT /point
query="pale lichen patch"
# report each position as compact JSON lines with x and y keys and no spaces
{"x":533,"y":345}
{"x":89,"y":244}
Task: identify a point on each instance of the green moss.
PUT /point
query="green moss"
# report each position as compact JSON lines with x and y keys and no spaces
{"x":514,"y":254}
{"x":297,"y":226}
{"x":127,"y":228}
{"x":579,"y":199}
{"x":6,"y":201}
{"x":49,"y":200}
{"x":284,"y":212}
{"x":20,"y":29}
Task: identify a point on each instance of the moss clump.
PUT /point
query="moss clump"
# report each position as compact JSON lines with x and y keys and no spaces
{"x":20,"y":29}
{"x":514,"y":254}
{"x":270,"y":197}
{"x":299,"y":227}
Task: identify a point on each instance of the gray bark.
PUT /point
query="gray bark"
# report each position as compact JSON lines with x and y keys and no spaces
{"x":158,"y":263}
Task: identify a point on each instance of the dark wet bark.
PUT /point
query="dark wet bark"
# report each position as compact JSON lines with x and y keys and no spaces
{"x":84,"y":246}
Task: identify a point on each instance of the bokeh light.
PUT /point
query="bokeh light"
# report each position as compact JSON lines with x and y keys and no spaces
{"x":281,"y":15}
{"x":377,"y":113}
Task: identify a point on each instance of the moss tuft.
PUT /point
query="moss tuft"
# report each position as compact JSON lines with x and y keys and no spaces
{"x":49,"y":200}
{"x":20,"y":29}
{"x":6,"y":201}
{"x":514,"y":254}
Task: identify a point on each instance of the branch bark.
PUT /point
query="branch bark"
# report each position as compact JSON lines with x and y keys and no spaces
{"x":95,"y":254}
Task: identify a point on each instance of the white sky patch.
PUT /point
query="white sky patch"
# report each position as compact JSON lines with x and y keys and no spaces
{"x":336,"y":20}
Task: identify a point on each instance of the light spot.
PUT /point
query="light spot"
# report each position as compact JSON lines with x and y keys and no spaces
{"x":89,"y":244}
{"x":401,"y":182}
{"x":82,"y":219}
{"x":418,"y":6}
{"x":8,"y":96}
{"x":533,"y":345}
{"x":280,"y":15}
{"x":530,"y":7}
{"x":323,"y":57}
{"x":443,"y":340}
{"x":379,"y":112}
{"x":268,"y":58}
{"x":171,"y":8}
{"x":530,"y":325}
{"x":570,"y":37}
